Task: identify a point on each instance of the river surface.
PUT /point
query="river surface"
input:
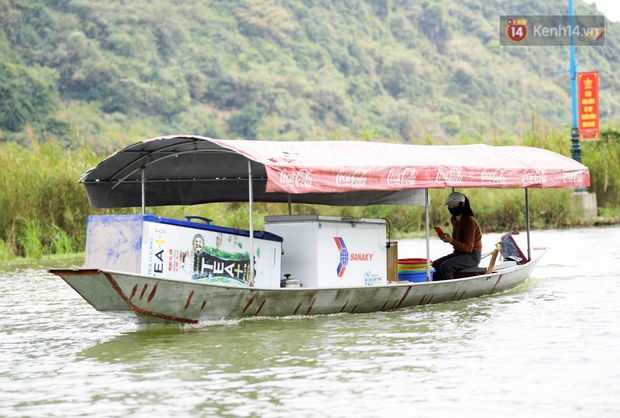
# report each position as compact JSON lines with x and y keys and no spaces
{"x":549,"y":348}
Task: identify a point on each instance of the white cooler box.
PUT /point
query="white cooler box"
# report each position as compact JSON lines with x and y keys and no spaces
{"x":176,"y":249}
{"x":328,"y":251}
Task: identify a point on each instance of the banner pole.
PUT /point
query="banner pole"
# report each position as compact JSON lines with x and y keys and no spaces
{"x":575,"y":147}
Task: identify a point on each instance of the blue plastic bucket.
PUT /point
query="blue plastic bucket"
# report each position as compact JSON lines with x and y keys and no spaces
{"x":416,"y":277}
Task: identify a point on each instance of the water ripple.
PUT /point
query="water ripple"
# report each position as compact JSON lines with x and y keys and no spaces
{"x":547,"y":348}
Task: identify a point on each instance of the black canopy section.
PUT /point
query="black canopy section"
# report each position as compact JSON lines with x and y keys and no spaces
{"x":190,"y":170}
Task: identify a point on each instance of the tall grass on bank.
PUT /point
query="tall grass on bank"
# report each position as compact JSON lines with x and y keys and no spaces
{"x":43,"y":209}
{"x":603,"y":159}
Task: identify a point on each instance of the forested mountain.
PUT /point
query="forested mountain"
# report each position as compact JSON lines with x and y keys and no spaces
{"x":124,"y":70}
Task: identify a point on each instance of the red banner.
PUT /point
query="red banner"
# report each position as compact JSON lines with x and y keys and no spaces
{"x":588,"y":109}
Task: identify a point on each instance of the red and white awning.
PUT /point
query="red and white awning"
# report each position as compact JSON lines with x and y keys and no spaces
{"x":185,"y":169}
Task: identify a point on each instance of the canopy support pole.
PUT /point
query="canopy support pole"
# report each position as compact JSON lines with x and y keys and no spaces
{"x":143,"y":182}
{"x":290,"y":212}
{"x":527,"y":221}
{"x":428,"y":245}
{"x":251,"y":199}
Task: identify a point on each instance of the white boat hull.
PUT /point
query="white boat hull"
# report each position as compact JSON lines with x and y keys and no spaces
{"x":145,"y":299}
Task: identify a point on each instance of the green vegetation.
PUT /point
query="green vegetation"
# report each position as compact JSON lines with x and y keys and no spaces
{"x":603,"y":157}
{"x":80,"y":79}
{"x":117,"y":71}
{"x":44,"y":209}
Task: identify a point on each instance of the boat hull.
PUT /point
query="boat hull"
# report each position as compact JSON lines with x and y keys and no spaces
{"x":144,"y":299}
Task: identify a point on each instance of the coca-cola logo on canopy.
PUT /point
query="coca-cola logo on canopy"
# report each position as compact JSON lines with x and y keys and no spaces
{"x":301,"y":178}
{"x":573,"y":177}
{"x":449,"y":175}
{"x":404,"y":177}
{"x":493,"y":176}
{"x":533,"y":177}
{"x":356,"y":179}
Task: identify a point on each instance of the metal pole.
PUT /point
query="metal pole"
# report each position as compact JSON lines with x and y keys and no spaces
{"x":428,"y":228}
{"x":527,"y":220}
{"x":574,"y":133}
{"x":251,"y":199}
{"x":290,"y":212}
{"x":143,"y":181}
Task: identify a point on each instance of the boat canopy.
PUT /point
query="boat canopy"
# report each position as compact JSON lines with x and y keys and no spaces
{"x":188,"y":170}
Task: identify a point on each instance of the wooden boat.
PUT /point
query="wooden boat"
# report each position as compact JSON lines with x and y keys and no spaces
{"x":151,"y":269}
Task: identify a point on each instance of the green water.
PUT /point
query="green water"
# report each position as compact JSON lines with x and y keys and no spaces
{"x":547,"y":348}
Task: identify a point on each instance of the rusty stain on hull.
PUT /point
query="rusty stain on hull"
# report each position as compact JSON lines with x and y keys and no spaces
{"x":310,"y":307}
{"x":152,"y":294}
{"x":260,"y":307}
{"x":248,"y":304}
{"x":137,"y":309}
{"x":497,"y":282}
{"x":189,"y":299}
{"x":404,"y":297}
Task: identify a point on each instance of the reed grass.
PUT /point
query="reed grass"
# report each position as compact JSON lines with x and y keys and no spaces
{"x":5,"y":253}
{"x":603,"y":159}
{"x":62,"y":243}
{"x":32,"y":239}
{"x":43,"y":209}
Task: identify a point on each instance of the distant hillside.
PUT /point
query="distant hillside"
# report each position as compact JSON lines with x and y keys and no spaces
{"x":117,"y":71}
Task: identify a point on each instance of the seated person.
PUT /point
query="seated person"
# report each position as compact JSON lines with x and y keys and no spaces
{"x":466,"y":239}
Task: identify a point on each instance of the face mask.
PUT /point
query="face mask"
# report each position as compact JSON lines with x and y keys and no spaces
{"x":456,"y":211}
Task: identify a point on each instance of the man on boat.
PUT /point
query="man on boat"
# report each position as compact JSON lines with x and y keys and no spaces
{"x":466,"y":239}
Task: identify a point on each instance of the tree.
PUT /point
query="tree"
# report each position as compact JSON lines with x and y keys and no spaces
{"x":27,"y":95}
